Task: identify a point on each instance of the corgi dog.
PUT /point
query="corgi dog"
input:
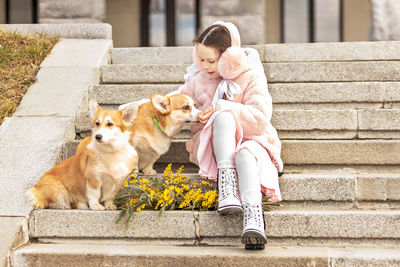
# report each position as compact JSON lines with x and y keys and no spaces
{"x":156,"y":121}
{"x":96,"y":172}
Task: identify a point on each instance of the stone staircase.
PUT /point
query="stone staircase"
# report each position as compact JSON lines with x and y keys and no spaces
{"x":337,"y":112}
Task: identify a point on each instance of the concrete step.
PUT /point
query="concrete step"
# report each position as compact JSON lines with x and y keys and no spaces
{"x":340,"y":51}
{"x":313,"y":124}
{"x":377,"y":153}
{"x":160,"y":55}
{"x":284,"y":227}
{"x":164,"y":255}
{"x":284,"y":95}
{"x":340,"y":188}
{"x":353,"y":71}
{"x":156,"y":55}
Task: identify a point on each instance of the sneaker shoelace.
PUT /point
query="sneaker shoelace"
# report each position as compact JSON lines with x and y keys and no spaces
{"x":228,"y":183}
{"x":253,"y":215}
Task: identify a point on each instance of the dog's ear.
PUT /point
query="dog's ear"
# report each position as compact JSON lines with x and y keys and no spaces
{"x":129,"y":112}
{"x":94,"y":109}
{"x":161,"y":103}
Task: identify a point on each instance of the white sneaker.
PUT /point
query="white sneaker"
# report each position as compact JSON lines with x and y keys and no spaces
{"x":253,"y":236}
{"x":228,"y":199}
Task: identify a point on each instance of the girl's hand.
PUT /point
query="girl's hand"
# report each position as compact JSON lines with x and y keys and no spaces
{"x":206,"y":114}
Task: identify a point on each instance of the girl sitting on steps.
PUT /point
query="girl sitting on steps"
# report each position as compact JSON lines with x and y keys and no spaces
{"x":234,"y":142}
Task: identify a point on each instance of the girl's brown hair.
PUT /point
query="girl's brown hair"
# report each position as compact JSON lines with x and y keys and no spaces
{"x":216,"y":36}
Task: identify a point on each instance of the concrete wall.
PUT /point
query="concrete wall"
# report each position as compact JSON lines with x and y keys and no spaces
{"x":20,"y":11}
{"x":2,"y":11}
{"x":247,"y":15}
{"x":272,"y":20}
{"x":71,"y":11}
{"x":124,"y":16}
{"x":357,"y":20}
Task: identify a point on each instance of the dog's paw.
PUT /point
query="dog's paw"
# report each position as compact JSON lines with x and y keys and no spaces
{"x":149,"y":171}
{"x":97,"y":206}
{"x":82,"y":206}
{"x":109,"y":205}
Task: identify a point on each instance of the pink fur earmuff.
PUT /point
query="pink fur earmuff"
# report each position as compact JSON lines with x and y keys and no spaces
{"x":232,"y":62}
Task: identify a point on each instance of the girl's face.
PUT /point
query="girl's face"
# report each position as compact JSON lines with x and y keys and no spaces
{"x":209,"y":57}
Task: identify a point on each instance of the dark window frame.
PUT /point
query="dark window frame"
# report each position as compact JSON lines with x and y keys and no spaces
{"x":34,"y":10}
{"x":311,"y":20}
{"x":170,"y":11}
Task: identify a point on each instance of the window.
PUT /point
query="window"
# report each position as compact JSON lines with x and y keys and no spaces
{"x":181,"y":14}
{"x":311,"y":21}
{"x":296,"y":21}
{"x":327,"y":21}
{"x":185,"y":22}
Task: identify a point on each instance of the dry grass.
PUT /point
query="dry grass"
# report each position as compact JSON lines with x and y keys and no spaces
{"x":20,"y":57}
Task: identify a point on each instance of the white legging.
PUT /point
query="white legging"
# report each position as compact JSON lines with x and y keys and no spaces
{"x":224,"y":129}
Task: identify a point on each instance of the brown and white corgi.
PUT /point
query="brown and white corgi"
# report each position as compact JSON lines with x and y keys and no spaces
{"x":96,"y":172}
{"x":157,"y":120}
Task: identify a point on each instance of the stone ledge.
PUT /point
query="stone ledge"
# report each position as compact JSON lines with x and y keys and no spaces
{"x":32,"y":140}
{"x":70,"y":30}
{"x":155,"y":55}
{"x":144,"y":73}
{"x":332,"y":51}
{"x":101,"y":224}
{"x":379,"y":119}
{"x":161,"y":55}
{"x":347,"y":152}
{"x":79,"y":53}
{"x":299,"y":120}
{"x":335,"y":93}
{"x":305,"y":52}
{"x":26,"y":152}
{"x":4,"y":124}
{"x":286,"y":120}
{"x":308,"y":152}
{"x":12,"y":235}
{"x":181,"y":224}
{"x":169,"y":255}
{"x":324,"y":152}
{"x":358,"y":71}
{"x":71,"y":20}
{"x":62,"y":95}
{"x":393,"y":93}
{"x":317,"y":96}
{"x":310,"y":224}
{"x":385,"y":134}
{"x":379,"y":187}
{"x":122,"y":94}
{"x":292,"y":72}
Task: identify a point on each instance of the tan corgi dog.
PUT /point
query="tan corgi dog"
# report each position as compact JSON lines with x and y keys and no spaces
{"x":96,"y":172}
{"x":157,"y":120}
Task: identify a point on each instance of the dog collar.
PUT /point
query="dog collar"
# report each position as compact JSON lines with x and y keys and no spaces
{"x":157,"y":123}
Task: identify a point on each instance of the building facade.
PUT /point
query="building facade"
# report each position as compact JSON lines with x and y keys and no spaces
{"x":176,"y":22}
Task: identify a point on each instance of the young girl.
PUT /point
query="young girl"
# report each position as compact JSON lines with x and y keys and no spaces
{"x":234,"y":142}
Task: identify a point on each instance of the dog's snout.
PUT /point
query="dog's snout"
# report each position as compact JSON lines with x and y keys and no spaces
{"x":98,"y":137}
